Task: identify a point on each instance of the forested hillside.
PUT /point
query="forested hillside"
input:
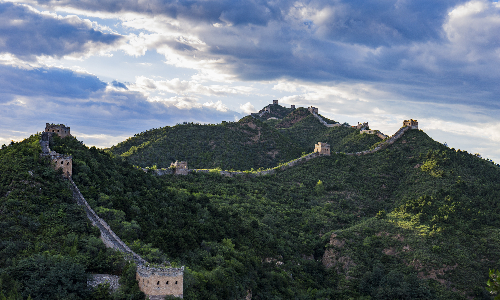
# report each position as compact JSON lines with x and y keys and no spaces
{"x":416,"y":220}
{"x":48,"y":248}
{"x":248,"y":143}
{"x":243,"y":145}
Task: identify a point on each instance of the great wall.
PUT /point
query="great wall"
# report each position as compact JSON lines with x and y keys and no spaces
{"x":180,"y":168}
{"x":159,"y":281}
{"x":155,"y":281}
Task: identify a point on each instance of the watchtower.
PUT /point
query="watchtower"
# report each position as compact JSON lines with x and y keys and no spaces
{"x":180,"y":167}
{"x":410,"y":123}
{"x":292,"y":106}
{"x":313,"y":110}
{"x":159,"y":282}
{"x":362,"y":125}
{"x":275,"y":102}
{"x":322,"y":148}
{"x":59,"y":129}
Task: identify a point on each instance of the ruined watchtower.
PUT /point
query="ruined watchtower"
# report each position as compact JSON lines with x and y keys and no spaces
{"x":59,"y":129}
{"x":322,"y":148}
{"x":292,"y":106}
{"x":60,"y":161}
{"x":158,"y":282}
{"x":312,"y":109}
{"x":410,"y":123}
{"x":180,"y":167}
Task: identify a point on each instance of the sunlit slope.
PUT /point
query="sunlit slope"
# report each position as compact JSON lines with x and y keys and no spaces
{"x":413,"y":212}
{"x":241,"y":145}
{"x":305,"y":130}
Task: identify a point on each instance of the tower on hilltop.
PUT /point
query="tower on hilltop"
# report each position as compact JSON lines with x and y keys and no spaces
{"x":313,"y":110}
{"x":59,"y":129}
{"x":410,"y":123}
{"x":275,"y":101}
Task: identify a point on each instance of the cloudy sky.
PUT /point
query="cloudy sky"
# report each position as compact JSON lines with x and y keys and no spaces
{"x":112,"y":68}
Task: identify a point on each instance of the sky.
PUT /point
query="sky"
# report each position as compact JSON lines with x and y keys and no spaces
{"x":113,"y":68}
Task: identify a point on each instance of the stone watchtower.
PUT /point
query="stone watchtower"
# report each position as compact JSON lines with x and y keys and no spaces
{"x":157,"y":282}
{"x":292,"y":106}
{"x":312,"y":109}
{"x":59,"y":129}
{"x":180,"y":167}
{"x":410,"y":123}
{"x":275,"y":101}
{"x":322,"y":148}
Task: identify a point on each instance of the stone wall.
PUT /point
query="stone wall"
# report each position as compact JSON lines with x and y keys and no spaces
{"x":60,"y":161}
{"x":109,"y":238}
{"x":59,"y":129}
{"x":153,"y":275}
{"x":158,"y":282}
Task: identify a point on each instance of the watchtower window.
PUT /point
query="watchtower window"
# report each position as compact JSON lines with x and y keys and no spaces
{"x":158,"y":283}
{"x":176,"y":282}
{"x":67,"y":163}
{"x":62,"y":163}
{"x":167,"y":282}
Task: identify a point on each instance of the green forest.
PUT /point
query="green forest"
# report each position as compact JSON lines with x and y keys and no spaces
{"x":416,"y":220}
{"x":252,"y":142}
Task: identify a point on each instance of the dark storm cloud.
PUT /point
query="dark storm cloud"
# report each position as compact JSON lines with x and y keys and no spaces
{"x":236,"y":12}
{"x":417,"y":45}
{"x":51,"y":82}
{"x":26,"y":33}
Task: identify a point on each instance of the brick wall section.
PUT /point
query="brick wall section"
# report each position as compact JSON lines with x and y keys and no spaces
{"x":158,"y":282}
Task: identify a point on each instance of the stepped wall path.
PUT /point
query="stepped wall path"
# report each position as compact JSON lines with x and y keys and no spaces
{"x":109,"y":238}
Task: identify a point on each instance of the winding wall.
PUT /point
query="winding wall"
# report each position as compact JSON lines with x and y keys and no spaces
{"x":382,"y":145}
{"x":109,"y":238}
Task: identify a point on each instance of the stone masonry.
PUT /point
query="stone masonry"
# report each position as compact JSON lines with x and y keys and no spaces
{"x":412,"y":123}
{"x":158,"y":282}
{"x":382,"y":145}
{"x":164,"y":274}
{"x":60,"y":161}
{"x":59,"y":129}
{"x":322,"y":148}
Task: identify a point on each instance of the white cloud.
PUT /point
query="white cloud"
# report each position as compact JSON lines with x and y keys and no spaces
{"x":217,"y":106}
{"x":248,"y":108}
